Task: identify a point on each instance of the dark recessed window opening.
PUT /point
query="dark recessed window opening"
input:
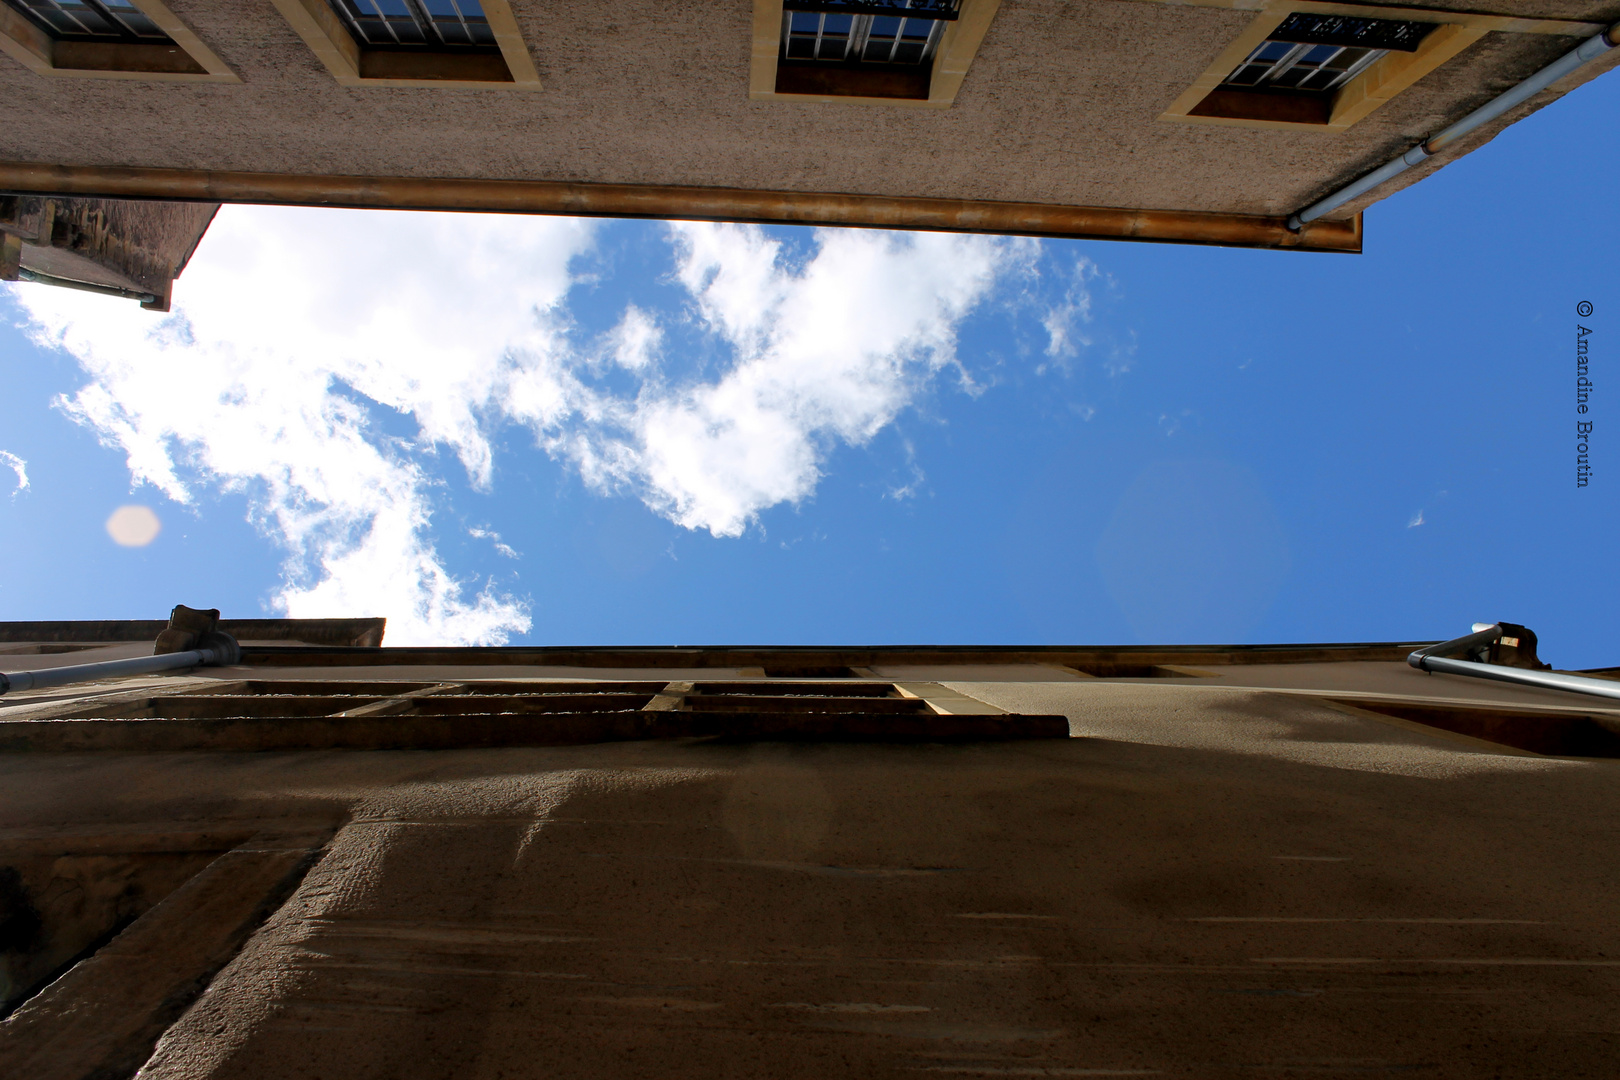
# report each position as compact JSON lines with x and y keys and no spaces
{"x":105,"y":35}
{"x":861,"y":48}
{"x":424,"y":40}
{"x":417,"y":24}
{"x":1294,"y":74}
{"x":809,"y":671}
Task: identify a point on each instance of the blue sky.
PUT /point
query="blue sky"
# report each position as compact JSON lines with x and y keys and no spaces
{"x":543,"y":431}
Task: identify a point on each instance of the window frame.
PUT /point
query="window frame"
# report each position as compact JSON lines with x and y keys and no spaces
{"x":39,"y":52}
{"x":352,"y":63}
{"x":953,"y":55}
{"x":1379,"y":83}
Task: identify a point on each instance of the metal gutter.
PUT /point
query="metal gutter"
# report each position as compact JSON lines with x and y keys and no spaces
{"x":736,"y":656}
{"x":1440,"y":658}
{"x":684,"y":203}
{"x":1579,"y":57}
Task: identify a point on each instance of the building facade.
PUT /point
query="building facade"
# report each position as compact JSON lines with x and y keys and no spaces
{"x":336,"y":859}
{"x":1215,"y":121}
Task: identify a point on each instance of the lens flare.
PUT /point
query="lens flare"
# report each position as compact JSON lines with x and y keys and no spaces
{"x":133,"y":526}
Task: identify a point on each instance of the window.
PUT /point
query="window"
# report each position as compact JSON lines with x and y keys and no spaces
{"x":874,"y":51}
{"x":1321,"y":69}
{"x":268,"y":714}
{"x":87,"y":20}
{"x":859,"y":53}
{"x":465,"y":43}
{"x":107,"y":39}
{"x":408,"y":23}
{"x":1307,"y":59}
{"x":1320,"y":53}
{"x":867,"y":39}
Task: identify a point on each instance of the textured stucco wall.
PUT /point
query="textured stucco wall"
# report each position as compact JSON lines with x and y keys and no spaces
{"x":1210,"y":884}
{"x":1059,"y":107}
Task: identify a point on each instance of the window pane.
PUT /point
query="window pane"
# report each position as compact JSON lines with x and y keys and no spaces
{"x":1347,"y":58}
{"x":451,"y":33}
{"x":133,"y":19}
{"x":59,"y":21}
{"x":88,"y":18}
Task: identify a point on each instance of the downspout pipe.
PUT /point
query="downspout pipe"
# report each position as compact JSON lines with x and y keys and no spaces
{"x":1583,"y":54}
{"x":26,"y":274}
{"x":1441,"y":658}
{"x":223,"y":650}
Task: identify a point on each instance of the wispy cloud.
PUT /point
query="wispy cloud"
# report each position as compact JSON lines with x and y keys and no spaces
{"x":18,"y":466}
{"x":501,"y":547}
{"x":1170,"y":422}
{"x":1122,"y":354}
{"x":295,"y":327}
{"x":1417,"y":519}
{"x":914,"y":481}
{"x":1065,"y":321}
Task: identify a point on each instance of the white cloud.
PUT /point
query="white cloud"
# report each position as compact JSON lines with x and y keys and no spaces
{"x":18,"y":466}
{"x":1417,"y":520}
{"x":293,"y":325}
{"x":635,"y":340}
{"x":282,"y":316}
{"x":823,"y":353}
